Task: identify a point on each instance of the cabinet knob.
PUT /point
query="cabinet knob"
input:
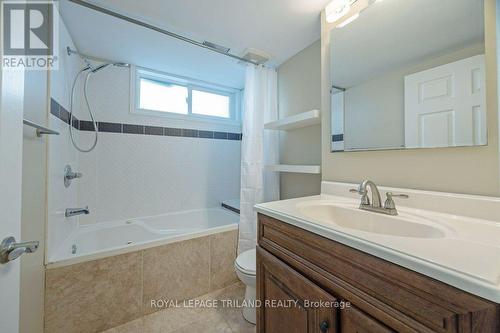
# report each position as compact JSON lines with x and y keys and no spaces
{"x":323,"y":327}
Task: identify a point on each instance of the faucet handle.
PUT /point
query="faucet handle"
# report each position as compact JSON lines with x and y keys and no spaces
{"x":364,"y":195}
{"x":389,"y":202}
{"x":393,"y":195}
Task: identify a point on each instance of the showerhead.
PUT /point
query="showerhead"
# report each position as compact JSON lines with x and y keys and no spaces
{"x":121,"y":64}
{"x":117,"y":64}
{"x":88,"y":59}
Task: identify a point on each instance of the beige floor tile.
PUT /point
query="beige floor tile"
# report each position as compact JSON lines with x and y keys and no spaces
{"x":236,"y":322}
{"x":176,"y":271}
{"x":169,"y":320}
{"x":134,"y":326}
{"x":213,"y":323}
{"x":233,"y":316}
{"x":195,"y":319}
{"x":95,"y":295}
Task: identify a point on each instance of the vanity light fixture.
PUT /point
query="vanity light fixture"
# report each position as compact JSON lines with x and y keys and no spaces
{"x":348,"y":20}
{"x":344,"y":12}
{"x":337,"y":9}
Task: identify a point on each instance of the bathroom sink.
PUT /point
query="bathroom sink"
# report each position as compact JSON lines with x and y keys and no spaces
{"x":376,"y":223}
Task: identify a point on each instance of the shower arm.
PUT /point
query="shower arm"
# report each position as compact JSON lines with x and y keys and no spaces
{"x":70,"y":51}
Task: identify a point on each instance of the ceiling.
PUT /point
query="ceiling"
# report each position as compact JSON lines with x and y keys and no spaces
{"x":393,"y":33}
{"x":280,"y":28}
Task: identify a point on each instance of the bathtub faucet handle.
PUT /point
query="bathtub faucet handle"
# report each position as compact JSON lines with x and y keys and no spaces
{"x":69,"y":175}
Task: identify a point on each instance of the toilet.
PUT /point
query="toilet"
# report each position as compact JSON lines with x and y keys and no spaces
{"x":245,"y":266}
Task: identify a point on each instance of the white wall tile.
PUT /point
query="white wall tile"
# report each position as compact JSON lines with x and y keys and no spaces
{"x":60,"y":151}
{"x":129,"y":175}
{"x":139,"y":175}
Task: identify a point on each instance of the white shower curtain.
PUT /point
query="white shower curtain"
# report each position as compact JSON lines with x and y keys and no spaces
{"x":259,"y":147}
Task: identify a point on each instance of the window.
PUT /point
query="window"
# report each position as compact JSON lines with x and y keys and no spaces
{"x":164,"y":97}
{"x":210,"y":104}
{"x":171,"y":96}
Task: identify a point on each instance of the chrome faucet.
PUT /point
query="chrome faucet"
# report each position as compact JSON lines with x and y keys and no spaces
{"x":77,"y":211}
{"x":389,"y":207}
{"x":69,"y":175}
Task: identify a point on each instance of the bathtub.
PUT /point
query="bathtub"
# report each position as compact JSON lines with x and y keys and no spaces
{"x":128,"y":264}
{"x":100,"y":240}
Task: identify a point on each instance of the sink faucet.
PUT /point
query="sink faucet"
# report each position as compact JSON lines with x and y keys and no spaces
{"x":389,"y":207}
{"x":77,"y":211}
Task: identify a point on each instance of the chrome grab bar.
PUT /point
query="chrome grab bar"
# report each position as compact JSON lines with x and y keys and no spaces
{"x":40,"y":130}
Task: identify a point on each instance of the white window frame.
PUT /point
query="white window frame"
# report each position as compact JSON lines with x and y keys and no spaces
{"x":137,"y":73}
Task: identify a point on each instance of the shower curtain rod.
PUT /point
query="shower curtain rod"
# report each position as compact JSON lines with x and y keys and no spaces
{"x":157,"y":29}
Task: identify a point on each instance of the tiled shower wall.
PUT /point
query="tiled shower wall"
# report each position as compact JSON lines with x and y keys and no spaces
{"x":60,"y":151}
{"x":132,"y":175}
{"x":162,"y":169}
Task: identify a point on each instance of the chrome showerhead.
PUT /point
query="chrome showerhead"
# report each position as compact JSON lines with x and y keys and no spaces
{"x":117,"y":64}
{"x":121,"y":64}
{"x":88,"y":59}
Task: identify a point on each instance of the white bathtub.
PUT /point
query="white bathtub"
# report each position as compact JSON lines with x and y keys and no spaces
{"x":105,"y":239}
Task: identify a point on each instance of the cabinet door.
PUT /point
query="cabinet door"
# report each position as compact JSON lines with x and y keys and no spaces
{"x":290,"y":302}
{"x":352,"y":320}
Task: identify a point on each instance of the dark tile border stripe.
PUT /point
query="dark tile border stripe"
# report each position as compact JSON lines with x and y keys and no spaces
{"x":220,"y":135}
{"x":133,"y":129}
{"x":84,"y":125}
{"x":206,"y":134}
{"x":153,"y":130}
{"x":107,"y":127}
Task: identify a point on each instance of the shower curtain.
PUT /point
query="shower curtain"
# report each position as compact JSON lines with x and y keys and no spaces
{"x":259,"y":147}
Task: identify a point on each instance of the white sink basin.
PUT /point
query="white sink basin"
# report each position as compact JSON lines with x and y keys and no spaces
{"x":376,"y":223}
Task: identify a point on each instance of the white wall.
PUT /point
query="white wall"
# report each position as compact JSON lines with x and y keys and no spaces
{"x":299,"y":90}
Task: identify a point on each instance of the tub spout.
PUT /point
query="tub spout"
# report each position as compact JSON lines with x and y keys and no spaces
{"x":77,"y":211}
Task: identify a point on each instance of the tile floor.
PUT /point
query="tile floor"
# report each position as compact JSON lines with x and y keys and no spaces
{"x":202,"y":320}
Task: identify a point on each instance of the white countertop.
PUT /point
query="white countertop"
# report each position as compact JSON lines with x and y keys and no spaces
{"x":467,"y":257}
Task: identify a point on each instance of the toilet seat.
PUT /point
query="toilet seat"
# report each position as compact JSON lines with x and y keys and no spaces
{"x":246,"y":262}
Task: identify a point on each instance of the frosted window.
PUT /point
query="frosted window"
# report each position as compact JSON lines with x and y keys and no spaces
{"x":210,"y":104}
{"x":164,"y":97}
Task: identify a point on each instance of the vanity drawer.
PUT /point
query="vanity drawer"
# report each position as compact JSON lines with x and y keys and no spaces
{"x":403,"y":300}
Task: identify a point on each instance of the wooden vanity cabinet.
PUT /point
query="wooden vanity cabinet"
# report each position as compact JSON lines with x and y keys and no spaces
{"x":302,"y":269}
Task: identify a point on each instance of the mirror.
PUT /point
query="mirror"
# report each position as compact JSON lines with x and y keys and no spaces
{"x":408,"y":74}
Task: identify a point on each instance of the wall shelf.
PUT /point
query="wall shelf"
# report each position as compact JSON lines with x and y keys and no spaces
{"x":312,"y":169}
{"x":303,"y":119}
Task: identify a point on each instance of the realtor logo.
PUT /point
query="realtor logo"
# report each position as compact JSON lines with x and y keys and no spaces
{"x":29,"y":35}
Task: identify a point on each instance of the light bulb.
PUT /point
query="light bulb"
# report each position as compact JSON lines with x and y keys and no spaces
{"x":336,"y":9}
